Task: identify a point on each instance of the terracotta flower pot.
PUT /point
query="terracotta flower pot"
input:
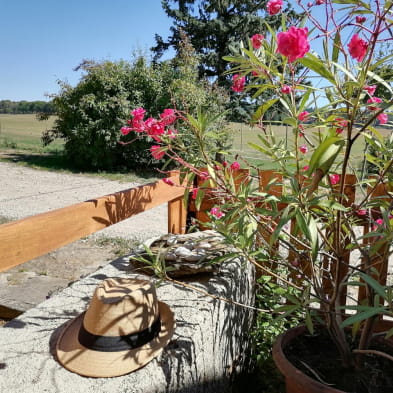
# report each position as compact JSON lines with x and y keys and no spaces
{"x":295,"y":380}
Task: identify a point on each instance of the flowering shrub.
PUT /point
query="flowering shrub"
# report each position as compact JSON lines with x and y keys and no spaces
{"x":312,"y":218}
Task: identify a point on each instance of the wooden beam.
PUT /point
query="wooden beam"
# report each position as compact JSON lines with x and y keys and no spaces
{"x":31,"y":237}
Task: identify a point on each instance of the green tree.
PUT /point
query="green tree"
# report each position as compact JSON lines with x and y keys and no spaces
{"x":214,"y":27}
{"x":90,"y":115}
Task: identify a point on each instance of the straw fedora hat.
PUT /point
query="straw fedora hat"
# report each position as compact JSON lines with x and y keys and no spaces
{"x":124,"y":327}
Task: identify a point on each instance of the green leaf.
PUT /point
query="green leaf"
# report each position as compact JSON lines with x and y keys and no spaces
{"x":372,"y":311}
{"x":336,"y":46}
{"x":345,"y":71}
{"x":315,"y":64}
{"x":380,"y":80}
{"x":378,"y":288}
{"x":325,"y":154}
{"x":290,"y":121}
{"x":263,"y":108}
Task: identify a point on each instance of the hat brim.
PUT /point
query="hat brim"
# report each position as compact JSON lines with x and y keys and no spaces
{"x":81,"y":360}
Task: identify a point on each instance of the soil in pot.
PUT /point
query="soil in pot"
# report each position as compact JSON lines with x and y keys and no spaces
{"x":317,"y":357}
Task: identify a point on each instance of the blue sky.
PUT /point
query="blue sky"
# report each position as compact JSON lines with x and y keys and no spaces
{"x":41,"y":41}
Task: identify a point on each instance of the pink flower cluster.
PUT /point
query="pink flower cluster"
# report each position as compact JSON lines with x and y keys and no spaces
{"x":152,"y":127}
{"x":274,"y":7}
{"x":256,"y":40}
{"x":238,"y":83}
{"x":357,"y":48}
{"x":293,"y":43}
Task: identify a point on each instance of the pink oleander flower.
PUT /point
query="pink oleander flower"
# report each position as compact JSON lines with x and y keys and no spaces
{"x":303,"y":116}
{"x":320,"y":2}
{"x":194,"y":193}
{"x":357,"y":48}
{"x":256,"y":40}
{"x":125,"y":130}
{"x":362,"y":212}
{"x":370,"y":89}
{"x":309,"y":4}
{"x":216,"y":212}
{"x":169,"y":181}
{"x":377,"y":224}
{"x":274,"y":7}
{"x":383,"y":118}
{"x":340,"y":123}
{"x":373,"y":100}
{"x":303,"y":149}
{"x":306,"y":168}
{"x":235,"y":166}
{"x":334,"y":178}
{"x":157,"y":152}
{"x":168,"y":117}
{"x":360,"y":19}
{"x":238,"y":83}
{"x":138,"y":113}
{"x":285,"y":89}
{"x":293,"y":43}
{"x":172,"y":133}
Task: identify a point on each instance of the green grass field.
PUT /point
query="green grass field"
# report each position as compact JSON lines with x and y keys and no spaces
{"x":245,"y":134}
{"x":23,"y":132}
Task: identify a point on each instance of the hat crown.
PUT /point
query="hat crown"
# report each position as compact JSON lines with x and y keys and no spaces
{"x":120,"y":307}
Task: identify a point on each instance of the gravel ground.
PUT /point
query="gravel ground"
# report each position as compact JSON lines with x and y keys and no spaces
{"x":25,"y":192}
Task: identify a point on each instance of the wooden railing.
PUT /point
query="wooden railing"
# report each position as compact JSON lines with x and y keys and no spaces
{"x":31,"y":237}
{"x":23,"y":240}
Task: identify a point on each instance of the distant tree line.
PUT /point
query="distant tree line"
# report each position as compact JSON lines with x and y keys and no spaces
{"x":18,"y":107}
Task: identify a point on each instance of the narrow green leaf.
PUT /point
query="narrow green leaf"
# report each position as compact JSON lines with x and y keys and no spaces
{"x":263,"y":108}
{"x":313,"y":63}
{"x":378,"y":288}
{"x":362,"y":316}
{"x":336,"y":46}
{"x":380,"y":80}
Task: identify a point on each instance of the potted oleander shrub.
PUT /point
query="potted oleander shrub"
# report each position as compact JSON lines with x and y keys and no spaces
{"x":324,"y":244}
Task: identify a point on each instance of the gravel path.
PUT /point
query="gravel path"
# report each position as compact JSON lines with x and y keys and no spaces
{"x":25,"y":192}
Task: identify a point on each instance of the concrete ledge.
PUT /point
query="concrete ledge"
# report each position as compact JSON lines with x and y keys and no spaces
{"x":206,"y":351}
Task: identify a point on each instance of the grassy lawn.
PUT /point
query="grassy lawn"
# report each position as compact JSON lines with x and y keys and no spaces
{"x":245,"y":134}
{"x":23,"y":132}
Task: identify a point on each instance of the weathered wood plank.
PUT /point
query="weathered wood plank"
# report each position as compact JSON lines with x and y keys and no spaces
{"x":25,"y":239}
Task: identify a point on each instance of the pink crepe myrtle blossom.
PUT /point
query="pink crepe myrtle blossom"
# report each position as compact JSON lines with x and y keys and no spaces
{"x":235,"y":166}
{"x":383,"y":118}
{"x":360,"y":19}
{"x":357,"y":48}
{"x":293,"y":43}
{"x":157,"y":152}
{"x":274,"y":7}
{"x":370,"y":89}
{"x":334,"y":178}
{"x":303,"y":116}
{"x":373,"y":100}
{"x":303,"y":149}
{"x":238,"y":83}
{"x":285,"y":89}
{"x":169,"y":181}
{"x":216,"y":212}
{"x":256,"y":40}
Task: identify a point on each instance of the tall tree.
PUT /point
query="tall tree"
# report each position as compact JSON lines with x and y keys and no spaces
{"x":214,"y":28}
